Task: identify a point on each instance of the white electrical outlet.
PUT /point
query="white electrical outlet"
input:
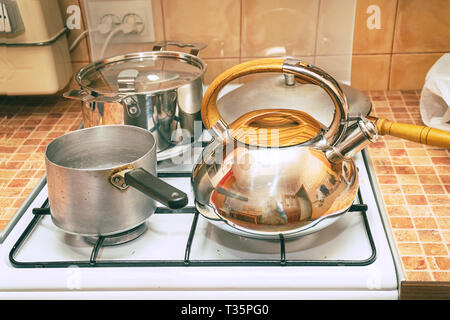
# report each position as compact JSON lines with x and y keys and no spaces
{"x":97,"y":11}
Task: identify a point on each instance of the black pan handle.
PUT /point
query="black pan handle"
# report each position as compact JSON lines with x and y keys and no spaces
{"x":156,"y":188}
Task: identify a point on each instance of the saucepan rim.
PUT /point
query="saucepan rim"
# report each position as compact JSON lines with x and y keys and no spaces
{"x":150,"y":150}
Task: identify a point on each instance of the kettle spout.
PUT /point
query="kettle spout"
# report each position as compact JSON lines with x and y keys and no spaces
{"x":356,"y":138}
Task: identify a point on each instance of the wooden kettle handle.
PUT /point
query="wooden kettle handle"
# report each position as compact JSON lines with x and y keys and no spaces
{"x":415,"y":133}
{"x":210,"y":113}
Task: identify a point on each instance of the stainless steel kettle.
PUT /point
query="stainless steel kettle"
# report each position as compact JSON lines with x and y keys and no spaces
{"x":279,"y":172}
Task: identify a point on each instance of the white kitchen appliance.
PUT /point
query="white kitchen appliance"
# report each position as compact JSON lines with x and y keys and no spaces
{"x":34,"y":54}
{"x":179,"y":255}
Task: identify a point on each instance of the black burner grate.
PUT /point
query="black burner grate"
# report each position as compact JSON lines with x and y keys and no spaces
{"x":94,"y":262}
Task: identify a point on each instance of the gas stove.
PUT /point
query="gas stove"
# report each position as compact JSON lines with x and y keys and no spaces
{"x":180,"y":255}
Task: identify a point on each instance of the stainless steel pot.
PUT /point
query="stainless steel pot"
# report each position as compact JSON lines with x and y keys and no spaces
{"x":89,"y":174}
{"x":160,"y":91}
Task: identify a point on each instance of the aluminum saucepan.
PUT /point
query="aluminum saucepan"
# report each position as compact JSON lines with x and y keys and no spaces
{"x":101,"y":180}
{"x":159,"y":90}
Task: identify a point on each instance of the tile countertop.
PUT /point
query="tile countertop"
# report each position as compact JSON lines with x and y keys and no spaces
{"x":415,"y":184}
{"x":414,"y":179}
{"x":27,"y":125}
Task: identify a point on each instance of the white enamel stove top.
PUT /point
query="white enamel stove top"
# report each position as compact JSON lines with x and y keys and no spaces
{"x":183,"y":256}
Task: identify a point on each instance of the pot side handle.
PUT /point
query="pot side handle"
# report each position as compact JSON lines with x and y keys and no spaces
{"x":195,"y":47}
{"x":414,"y":133}
{"x":76,"y":95}
{"x":156,"y":188}
{"x":85,"y":96}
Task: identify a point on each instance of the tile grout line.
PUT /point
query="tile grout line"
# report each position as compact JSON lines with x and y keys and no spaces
{"x":392,"y":44}
{"x":317,"y":31}
{"x":396,"y":54}
{"x":163,"y":20}
{"x":241,"y":20}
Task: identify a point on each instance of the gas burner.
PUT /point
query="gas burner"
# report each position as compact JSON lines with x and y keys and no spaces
{"x":119,"y":238}
{"x":111,"y":240}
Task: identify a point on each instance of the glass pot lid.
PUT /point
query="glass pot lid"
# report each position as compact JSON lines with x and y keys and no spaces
{"x":145,"y":71}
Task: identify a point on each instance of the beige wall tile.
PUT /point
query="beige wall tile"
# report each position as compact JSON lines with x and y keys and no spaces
{"x":289,"y":27}
{"x":369,"y":36}
{"x":216,"y":67}
{"x":216,"y":23}
{"x":335,"y":27}
{"x":63,"y":4}
{"x":278,"y":28}
{"x":338,"y":66}
{"x":370,"y":72}
{"x":408,"y":71}
{"x":422,"y":26}
{"x":81,"y":52}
